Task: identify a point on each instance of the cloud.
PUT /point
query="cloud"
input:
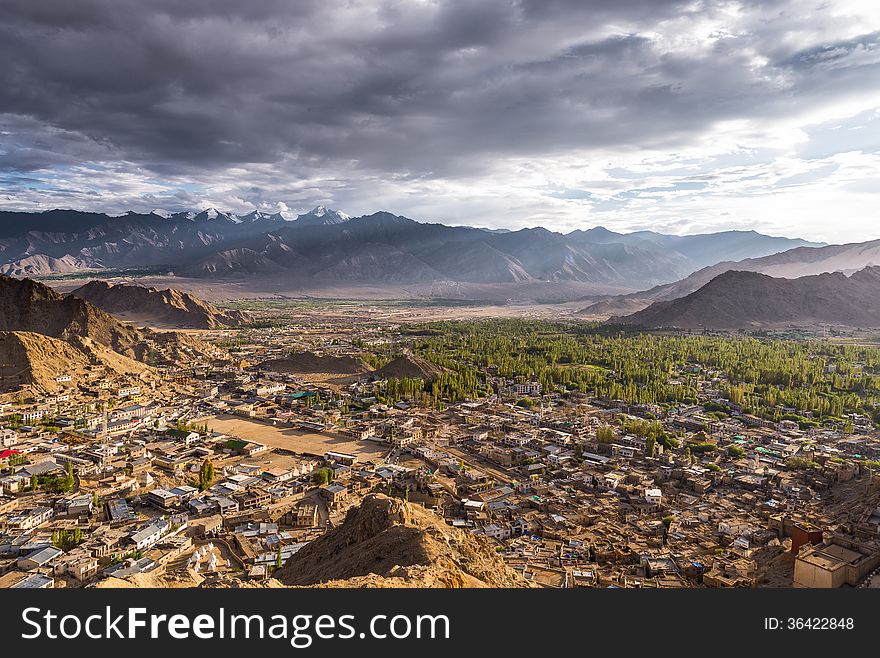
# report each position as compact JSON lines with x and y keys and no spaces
{"x":476,"y":111}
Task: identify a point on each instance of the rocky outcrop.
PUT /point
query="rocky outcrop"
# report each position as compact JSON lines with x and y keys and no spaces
{"x":387,"y":542}
{"x":409,"y":367}
{"x":27,"y":305}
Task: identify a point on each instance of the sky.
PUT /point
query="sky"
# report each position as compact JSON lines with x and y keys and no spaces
{"x":681,"y":117}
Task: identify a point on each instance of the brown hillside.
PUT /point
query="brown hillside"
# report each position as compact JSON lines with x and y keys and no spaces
{"x":411,"y":367}
{"x":740,"y":300}
{"x":47,"y":334}
{"x":310,"y":363}
{"x":28,"y":358}
{"x":27,"y":305}
{"x":168,"y":307}
{"x":387,"y":542}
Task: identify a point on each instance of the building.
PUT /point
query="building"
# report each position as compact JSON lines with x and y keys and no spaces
{"x":254,"y":498}
{"x":35,"y":581}
{"x":81,"y":504}
{"x":29,"y":519}
{"x":653,"y":496}
{"x":39,"y":558}
{"x":336,"y":493}
{"x":834,"y":563}
{"x":162,"y":498}
{"x":340,"y":457}
{"x":118,"y":510}
{"x":528,"y":388}
{"x":8,"y":438}
{"x":149,"y":536}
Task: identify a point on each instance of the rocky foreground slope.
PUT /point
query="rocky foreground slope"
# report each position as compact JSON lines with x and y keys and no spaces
{"x":387,"y":542}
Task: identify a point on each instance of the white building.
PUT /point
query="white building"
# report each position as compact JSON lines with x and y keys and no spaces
{"x":150,"y":535}
{"x":531,"y":388}
{"x":8,"y":438}
{"x":497,"y":531}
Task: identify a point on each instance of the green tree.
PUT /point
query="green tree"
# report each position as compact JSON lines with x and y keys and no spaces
{"x":206,"y":474}
{"x":323,"y":476}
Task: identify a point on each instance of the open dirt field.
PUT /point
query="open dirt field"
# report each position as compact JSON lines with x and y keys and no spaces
{"x":287,"y":438}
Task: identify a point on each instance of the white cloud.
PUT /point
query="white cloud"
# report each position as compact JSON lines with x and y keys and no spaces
{"x":674,"y":116}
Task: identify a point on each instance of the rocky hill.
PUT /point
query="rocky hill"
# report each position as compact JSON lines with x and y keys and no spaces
{"x":44,"y":334}
{"x":386,"y":542}
{"x":27,"y":305}
{"x":167,"y":307}
{"x":409,"y":367}
{"x":311,"y":363}
{"x":790,"y":264}
{"x":742,"y":300}
{"x":32,"y":359}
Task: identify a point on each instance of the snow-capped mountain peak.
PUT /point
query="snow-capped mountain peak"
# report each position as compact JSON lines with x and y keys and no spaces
{"x":212,"y":214}
{"x":253,"y":216}
{"x":323,"y":215}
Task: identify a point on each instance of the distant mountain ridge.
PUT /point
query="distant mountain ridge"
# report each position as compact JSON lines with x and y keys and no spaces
{"x":743,"y":300}
{"x":390,"y":248}
{"x":328,"y":245}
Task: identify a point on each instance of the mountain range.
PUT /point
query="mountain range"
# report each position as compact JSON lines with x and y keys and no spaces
{"x":741,"y":300}
{"x":326,"y":245}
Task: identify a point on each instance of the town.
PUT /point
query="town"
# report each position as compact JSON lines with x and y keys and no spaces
{"x":587,"y":459}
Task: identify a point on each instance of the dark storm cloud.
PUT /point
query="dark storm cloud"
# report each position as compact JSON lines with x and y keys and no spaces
{"x":417,"y":89}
